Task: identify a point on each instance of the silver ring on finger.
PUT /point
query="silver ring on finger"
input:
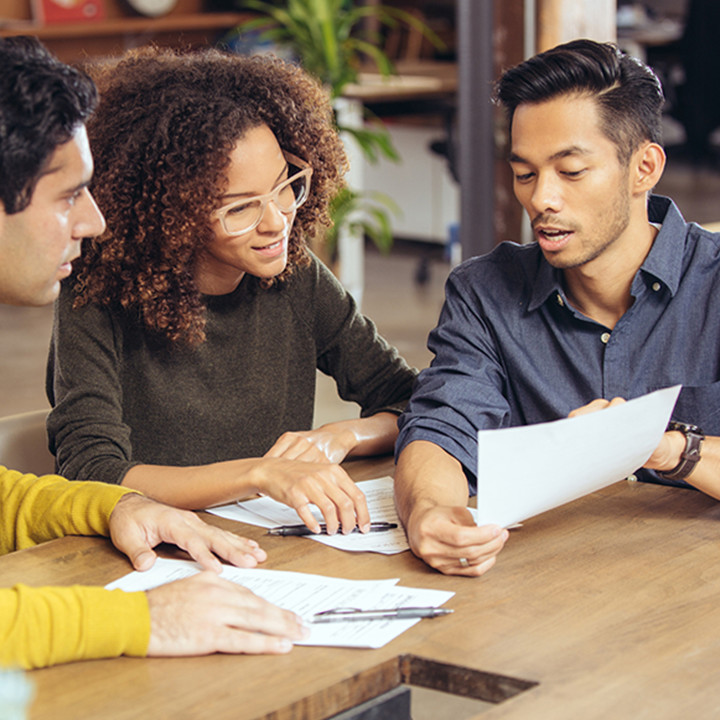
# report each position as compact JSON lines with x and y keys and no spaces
{"x":464,"y":563}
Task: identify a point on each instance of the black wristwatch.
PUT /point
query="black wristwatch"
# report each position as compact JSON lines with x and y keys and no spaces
{"x":690,"y":457}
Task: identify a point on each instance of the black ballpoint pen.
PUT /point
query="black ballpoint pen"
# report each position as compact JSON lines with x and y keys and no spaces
{"x":406,"y":613}
{"x":305,"y":530}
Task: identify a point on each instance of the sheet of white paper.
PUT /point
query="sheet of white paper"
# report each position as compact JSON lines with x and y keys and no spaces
{"x":376,"y":633}
{"x":238,"y":512}
{"x":267,"y":513}
{"x":307,"y":594}
{"x":523,"y":471}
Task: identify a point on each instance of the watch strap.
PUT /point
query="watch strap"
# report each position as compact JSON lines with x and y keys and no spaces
{"x":690,"y":456}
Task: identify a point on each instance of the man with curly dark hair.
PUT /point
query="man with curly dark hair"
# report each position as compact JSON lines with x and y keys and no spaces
{"x":46,"y":210}
{"x":185,"y":349}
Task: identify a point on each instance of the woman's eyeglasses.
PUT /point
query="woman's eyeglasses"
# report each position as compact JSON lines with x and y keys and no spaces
{"x":244,"y":215}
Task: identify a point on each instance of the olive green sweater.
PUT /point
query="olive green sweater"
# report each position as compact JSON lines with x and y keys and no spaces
{"x":121,"y":397}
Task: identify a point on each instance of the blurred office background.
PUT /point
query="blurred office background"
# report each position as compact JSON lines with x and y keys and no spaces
{"x":439,"y":119}
{"x":403,"y":290}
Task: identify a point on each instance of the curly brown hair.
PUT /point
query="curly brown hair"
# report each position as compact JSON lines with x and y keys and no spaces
{"x":161,"y":138}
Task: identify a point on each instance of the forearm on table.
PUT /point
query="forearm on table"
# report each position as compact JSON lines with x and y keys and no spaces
{"x":199,"y":486}
{"x":50,"y":625}
{"x":427,"y":476}
{"x":373,"y":435}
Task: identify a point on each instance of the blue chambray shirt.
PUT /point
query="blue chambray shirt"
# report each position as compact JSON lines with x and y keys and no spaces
{"x":510,"y":350}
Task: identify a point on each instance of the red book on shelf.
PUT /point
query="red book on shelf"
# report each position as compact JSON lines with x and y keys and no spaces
{"x":56,"y":11}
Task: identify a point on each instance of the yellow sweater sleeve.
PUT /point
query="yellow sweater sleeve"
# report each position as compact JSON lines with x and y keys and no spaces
{"x":35,"y":509}
{"x":44,"y":626}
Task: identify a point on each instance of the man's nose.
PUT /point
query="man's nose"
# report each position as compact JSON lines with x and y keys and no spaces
{"x":546,"y":195}
{"x":90,"y":221}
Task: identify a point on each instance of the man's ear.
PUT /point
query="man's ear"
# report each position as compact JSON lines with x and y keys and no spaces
{"x":646,"y":167}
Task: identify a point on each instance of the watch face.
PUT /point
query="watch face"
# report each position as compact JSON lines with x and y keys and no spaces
{"x":153,"y":8}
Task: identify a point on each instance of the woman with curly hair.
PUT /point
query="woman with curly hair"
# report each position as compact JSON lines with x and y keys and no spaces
{"x":185,"y":346}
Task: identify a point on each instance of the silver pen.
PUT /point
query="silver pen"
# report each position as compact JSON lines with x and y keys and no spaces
{"x":403,"y":613}
{"x":305,"y":530}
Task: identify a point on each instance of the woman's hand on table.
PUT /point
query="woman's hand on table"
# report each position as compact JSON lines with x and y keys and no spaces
{"x":299,"y":483}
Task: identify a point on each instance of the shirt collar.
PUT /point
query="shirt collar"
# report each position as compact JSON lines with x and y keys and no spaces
{"x":664,"y":261}
{"x":547,"y":282}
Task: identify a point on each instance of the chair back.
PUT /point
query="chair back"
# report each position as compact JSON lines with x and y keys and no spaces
{"x":24,"y":443}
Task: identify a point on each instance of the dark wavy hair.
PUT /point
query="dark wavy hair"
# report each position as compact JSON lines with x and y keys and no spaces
{"x":42,"y":103}
{"x":628,"y":93}
{"x":161,"y":137}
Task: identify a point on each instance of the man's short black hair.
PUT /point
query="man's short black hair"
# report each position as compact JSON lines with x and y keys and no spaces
{"x":628,"y":93}
{"x":42,"y":103}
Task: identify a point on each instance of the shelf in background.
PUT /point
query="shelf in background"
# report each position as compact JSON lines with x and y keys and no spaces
{"x":122,"y":26}
{"x":73,"y":42}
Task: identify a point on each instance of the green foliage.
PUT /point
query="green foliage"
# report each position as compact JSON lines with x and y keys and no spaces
{"x":361,"y":212}
{"x":374,"y":143}
{"x":331,"y":38}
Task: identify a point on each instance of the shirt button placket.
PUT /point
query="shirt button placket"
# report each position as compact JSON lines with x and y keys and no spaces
{"x":609,"y":366}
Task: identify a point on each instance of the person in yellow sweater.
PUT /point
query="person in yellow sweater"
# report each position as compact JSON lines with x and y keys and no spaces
{"x":46,"y":210}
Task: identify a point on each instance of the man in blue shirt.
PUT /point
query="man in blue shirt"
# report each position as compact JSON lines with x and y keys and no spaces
{"x":618,"y":296}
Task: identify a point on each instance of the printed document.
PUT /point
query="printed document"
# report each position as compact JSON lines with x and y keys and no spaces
{"x":523,"y":471}
{"x":307,"y":594}
{"x":266,"y":512}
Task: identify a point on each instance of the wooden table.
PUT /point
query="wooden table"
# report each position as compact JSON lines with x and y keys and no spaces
{"x":604,"y":608}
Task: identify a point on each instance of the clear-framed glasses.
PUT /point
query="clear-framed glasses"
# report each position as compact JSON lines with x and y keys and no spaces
{"x":244,"y":215}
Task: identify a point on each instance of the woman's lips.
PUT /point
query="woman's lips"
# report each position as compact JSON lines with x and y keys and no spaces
{"x":273,"y":249}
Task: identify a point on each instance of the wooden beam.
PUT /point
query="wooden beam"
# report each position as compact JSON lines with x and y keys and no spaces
{"x":562,"y":20}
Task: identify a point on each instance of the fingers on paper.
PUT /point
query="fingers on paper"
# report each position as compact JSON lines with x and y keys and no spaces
{"x":341,"y":503}
{"x":204,"y":614}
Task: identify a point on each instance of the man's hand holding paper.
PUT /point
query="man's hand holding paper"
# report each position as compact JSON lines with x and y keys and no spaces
{"x":524,"y":471}
{"x":445,"y":535}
